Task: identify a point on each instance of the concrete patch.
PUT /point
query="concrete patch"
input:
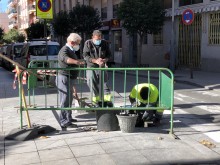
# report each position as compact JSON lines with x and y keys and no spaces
{"x":55,"y":154}
{"x":21,"y":159}
{"x":129,"y":157}
{"x":116,"y":147}
{"x":87,"y":150}
{"x":96,"y":160}
{"x":64,"y":162}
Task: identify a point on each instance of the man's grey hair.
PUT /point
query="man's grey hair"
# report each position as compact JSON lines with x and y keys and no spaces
{"x":97,"y":33}
{"x":74,"y":37}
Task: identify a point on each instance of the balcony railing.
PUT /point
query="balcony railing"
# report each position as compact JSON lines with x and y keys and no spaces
{"x":13,"y":24}
{"x":12,"y":3}
{"x":31,"y":9}
{"x":12,"y":14}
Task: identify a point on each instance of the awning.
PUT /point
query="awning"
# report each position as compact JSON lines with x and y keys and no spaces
{"x":196,"y":8}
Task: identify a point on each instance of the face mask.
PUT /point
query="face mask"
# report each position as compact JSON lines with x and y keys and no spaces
{"x":97,"y":42}
{"x":76,"y":47}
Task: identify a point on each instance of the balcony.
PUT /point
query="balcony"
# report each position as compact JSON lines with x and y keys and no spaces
{"x":13,"y":24}
{"x":12,"y":3}
{"x":12,"y":14}
{"x":31,"y":9}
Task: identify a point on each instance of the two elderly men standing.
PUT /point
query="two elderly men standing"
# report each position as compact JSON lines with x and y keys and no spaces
{"x":96,"y":53}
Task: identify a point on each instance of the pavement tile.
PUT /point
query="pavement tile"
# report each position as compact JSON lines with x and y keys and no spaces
{"x":1,"y":159}
{"x":171,"y":155}
{"x":42,"y":145}
{"x":111,"y":147}
{"x":12,"y":147}
{"x":113,"y":139}
{"x":87,"y":150}
{"x":129,"y":158}
{"x":71,"y":161}
{"x":72,"y":134}
{"x":104,"y":135}
{"x":55,"y":154}
{"x":203,"y":150}
{"x":22,"y":158}
{"x":96,"y":160}
{"x":80,"y":141}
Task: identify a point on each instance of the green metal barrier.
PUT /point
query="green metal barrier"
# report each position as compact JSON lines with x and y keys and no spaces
{"x":121,"y":81}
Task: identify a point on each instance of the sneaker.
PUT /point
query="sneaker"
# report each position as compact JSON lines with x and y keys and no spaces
{"x":69,"y":126}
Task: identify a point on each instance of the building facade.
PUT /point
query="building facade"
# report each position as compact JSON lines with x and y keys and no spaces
{"x":196,"y":45}
{"x":4,"y":22}
{"x":21,"y":14}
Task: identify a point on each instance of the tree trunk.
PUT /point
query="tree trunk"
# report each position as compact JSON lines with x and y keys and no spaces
{"x":139,"y":51}
{"x":82,"y":45}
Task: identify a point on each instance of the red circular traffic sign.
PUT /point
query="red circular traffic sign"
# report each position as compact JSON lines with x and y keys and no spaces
{"x":44,"y":5}
{"x":188,"y":17}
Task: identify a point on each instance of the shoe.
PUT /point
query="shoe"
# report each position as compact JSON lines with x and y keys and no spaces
{"x":156,"y":122}
{"x":69,"y":126}
{"x":73,"y":120}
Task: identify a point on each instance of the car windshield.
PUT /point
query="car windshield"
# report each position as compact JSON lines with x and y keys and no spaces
{"x":40,"y":50}
{"x":17,"y":50}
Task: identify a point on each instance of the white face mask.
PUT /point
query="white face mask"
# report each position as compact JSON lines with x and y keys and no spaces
{"x":76,"y":47}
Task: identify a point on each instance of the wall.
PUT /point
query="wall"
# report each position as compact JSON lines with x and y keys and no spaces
{"x":210,"y":57}
{"x":153,"y":54}
{"x":4,"y":21}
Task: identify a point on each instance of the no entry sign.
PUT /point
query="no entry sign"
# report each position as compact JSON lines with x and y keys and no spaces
{"x":188,"y":17}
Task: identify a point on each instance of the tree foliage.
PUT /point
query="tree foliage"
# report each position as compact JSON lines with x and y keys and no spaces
{"x":141,"y":17}
{"x":1,"y":33}
{"x":61,"y":24}
{"x":13,"y":36}
{"x":84,"y":19}
{"x":36,"y":30}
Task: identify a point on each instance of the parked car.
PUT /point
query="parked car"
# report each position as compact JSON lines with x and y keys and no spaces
{"x":39,"y":50}
{"x":13,"y":52}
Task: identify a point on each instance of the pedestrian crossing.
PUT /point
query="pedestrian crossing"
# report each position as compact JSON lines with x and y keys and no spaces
{"x":207,"y":120}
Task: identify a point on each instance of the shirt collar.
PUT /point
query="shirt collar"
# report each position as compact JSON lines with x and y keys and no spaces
{"x":70,"y":47}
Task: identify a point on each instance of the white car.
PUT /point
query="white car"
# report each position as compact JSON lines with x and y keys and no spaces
{"x":13,"y":52}
{"x":39,"y":50}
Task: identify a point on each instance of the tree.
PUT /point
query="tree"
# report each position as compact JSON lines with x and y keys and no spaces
{"x":36,"y":30}
{"x":1,"y":33}
{"x":84,"y":19}
{"x":141,"y":17}
{"x":13,"y":36}
{"x":61,"y":24}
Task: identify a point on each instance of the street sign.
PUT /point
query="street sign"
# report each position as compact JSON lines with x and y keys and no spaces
{"x":188,"y":17}
{"x":44,"y":9}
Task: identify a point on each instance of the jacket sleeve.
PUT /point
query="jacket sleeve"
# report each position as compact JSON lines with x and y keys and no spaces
{"x":86,"y":52}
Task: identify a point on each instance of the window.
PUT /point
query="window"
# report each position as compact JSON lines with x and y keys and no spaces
{"x":158,"y":38}
{"x":214,"y":28}
{"x":189,"y":2}
{"x":145,"y":39}
{"x":115,"y":7}
{"x":104,"y":9}
{"x":167,"y":4}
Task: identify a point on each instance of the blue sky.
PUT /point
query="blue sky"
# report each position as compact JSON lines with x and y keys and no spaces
{"x":3,"y":5}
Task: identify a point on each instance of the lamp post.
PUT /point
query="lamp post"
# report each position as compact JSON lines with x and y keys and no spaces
{"x":172,"y":50}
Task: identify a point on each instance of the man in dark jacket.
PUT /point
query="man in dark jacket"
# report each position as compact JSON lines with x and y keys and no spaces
{"x":96,"y":52}
{"x":65,"y":79}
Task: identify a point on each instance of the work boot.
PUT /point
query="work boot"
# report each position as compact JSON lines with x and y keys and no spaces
{"x":156,"y":122}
